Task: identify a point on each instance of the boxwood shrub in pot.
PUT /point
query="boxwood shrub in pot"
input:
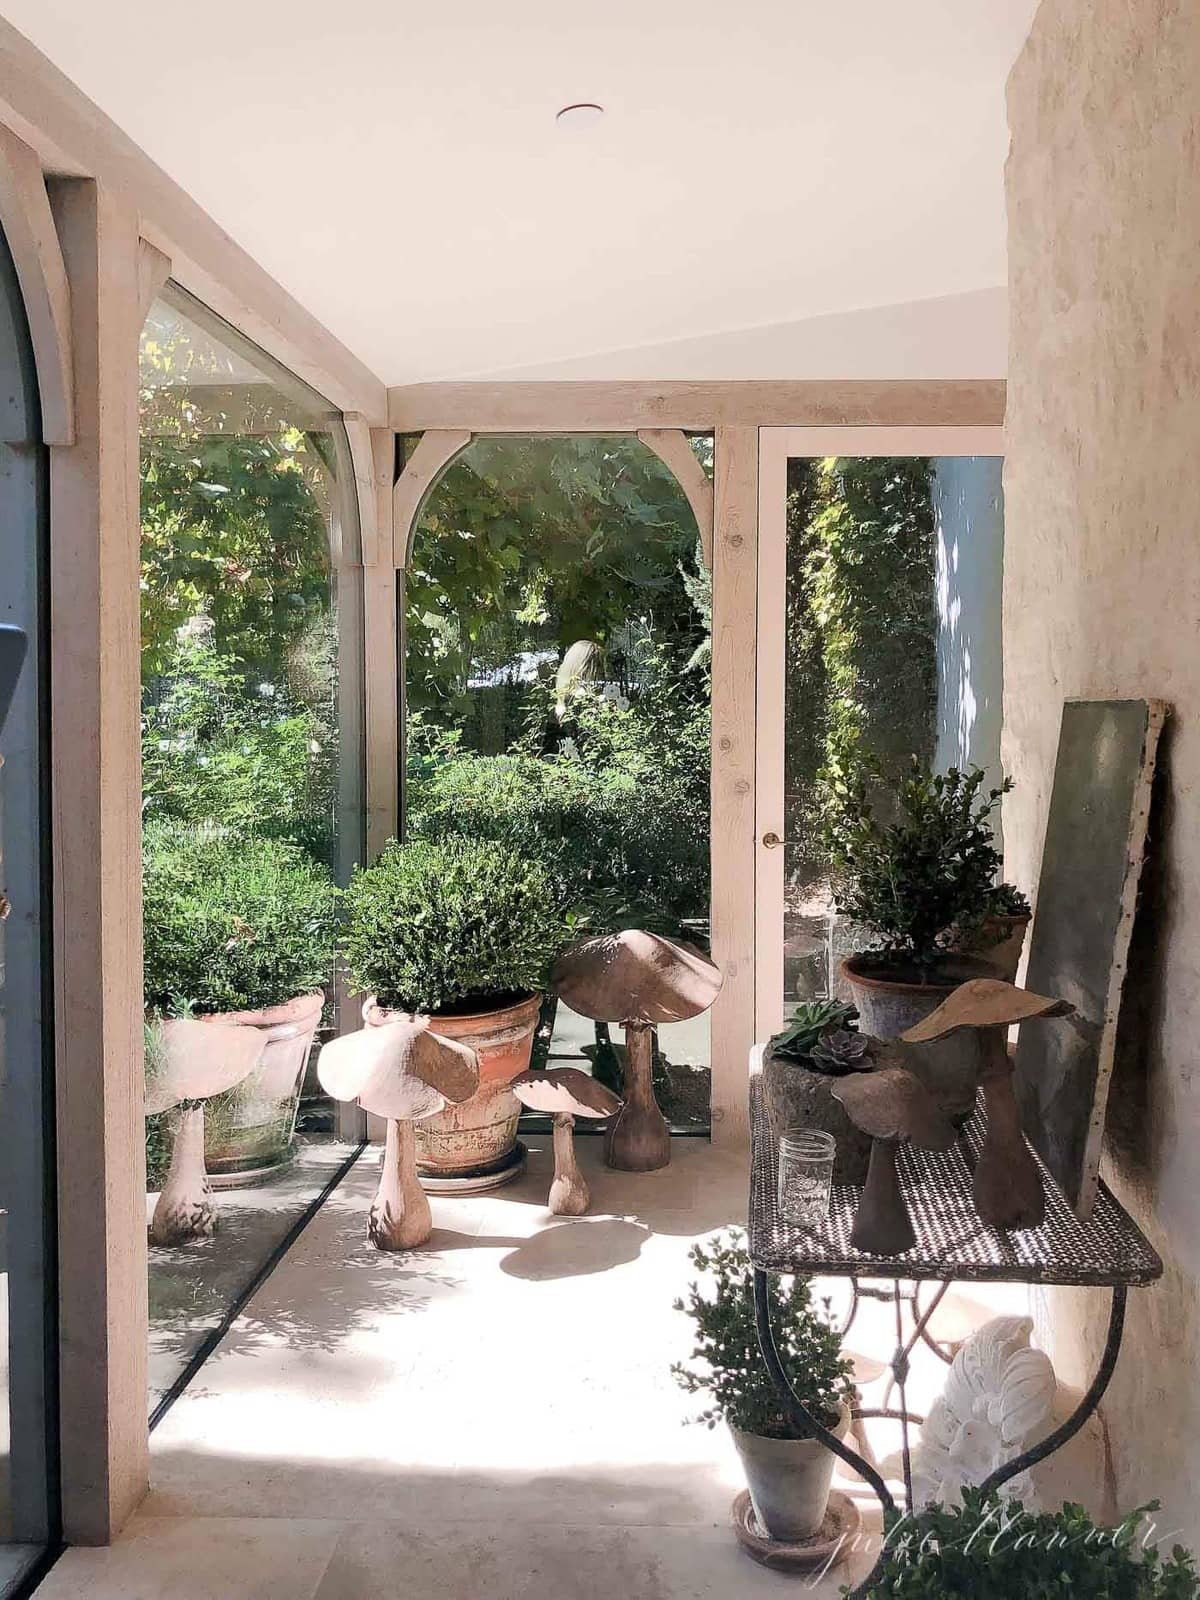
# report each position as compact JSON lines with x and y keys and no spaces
{"x":910,"y":869}
{"x":239,"y":929}
{"x":788,"y":1476}
{"x":465,"y":931}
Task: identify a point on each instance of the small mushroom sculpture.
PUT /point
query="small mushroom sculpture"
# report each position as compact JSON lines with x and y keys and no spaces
{"x":404,"y":1073}
{"x":890,"y":1104}
{"x":187,"y":1062}
{"x":1008,"y":1185}
{"x":566,"y":1093}
{"x":639,"y":980}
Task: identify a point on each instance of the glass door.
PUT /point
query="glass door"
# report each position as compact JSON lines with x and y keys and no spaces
{"x":879,"y":605}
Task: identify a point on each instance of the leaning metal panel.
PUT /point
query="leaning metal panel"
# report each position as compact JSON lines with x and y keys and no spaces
{"x":952,"y":1243}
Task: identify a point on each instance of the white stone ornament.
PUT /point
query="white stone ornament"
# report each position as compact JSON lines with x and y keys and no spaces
{"x":998,"y":1400}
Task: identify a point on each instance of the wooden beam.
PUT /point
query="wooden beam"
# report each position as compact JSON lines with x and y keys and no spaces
{"x":96,"y":840}
{"x":382,"y":675}
{"x":154,"y":268}
{"x":362,"y":463}
{"x":694,"y":407}
{"x":37,"y":255}
{"x":72,"y":136}
{"x":671,"y":447}
{"x":734,"y":638}
{"x":422,"y":470}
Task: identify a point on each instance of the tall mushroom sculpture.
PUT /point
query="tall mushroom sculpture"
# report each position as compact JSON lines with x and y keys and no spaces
{"x":187,"y":1063}
{"x":890,"y":1104}
{"x":566,"y":1093}
{"x":402,"y":1072}
{"x":639,"y":980}
{"x":1008,"y":1182}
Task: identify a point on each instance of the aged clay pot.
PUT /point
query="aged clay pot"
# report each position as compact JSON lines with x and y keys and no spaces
{"x":265,"y":1104}
{"x":789,"y":1480}
{"x":887,"y":1006}
{"x":477,"y":1136}
{"x":799,"y":1100}
{"x":1002,"y":946}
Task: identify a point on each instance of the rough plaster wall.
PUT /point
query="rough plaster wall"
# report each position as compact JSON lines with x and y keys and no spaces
{"x":1102,"y":598}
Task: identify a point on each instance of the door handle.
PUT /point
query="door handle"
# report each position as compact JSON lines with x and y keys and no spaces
{"x":772,"y":841}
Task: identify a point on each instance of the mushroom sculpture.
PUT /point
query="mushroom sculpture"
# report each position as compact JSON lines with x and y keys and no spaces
{"x":890,"y":1104}
{"x":638,"y":980}
{"x":404,"y":1073}
{"x":1008,"y":1182}
{"x":187,"y":1062}
{"x":566,"y":1093}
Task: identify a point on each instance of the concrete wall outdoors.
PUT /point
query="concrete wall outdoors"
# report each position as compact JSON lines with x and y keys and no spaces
{"x":1102,"y":598}
{"x":968,"y":507}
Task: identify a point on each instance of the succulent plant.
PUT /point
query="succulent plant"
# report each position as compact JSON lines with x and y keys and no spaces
{"x":811,"y":1019}
{"x":838,"y":1052}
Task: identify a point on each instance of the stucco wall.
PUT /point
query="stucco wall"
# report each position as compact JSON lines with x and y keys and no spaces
{"x":1102,"y":598}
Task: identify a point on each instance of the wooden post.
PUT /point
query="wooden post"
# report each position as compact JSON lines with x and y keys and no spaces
{"x":734,"y":643}
{"x":96,"y":809}
{"x":382,"y":720}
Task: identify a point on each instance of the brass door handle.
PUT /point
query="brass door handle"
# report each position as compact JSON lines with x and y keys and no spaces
{"x":772,"y":841}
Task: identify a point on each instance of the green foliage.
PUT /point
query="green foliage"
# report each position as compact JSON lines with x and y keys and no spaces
{"x":217,"y":752}
{"x":809,"y":1021}
{"x":727,"y":1363}
{"x":232,"y":922}
{"x":911,"y":880}
{"x":455,"y":925}
{"x":988,"y":1549}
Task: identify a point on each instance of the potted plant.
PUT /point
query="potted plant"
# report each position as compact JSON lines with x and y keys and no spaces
{"x":240,"y":931}
{"x":997,"y":934}
{"x":801,"y":1064}
{"x":989,"y":1549}
{"x":788,"y":1476}
{"x":911,"y":881}
{"x":464,"y":931}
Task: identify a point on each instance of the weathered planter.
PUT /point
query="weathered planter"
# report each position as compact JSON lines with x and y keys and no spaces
{"x":789,"y":1480}
{"x":800,"y":1100}
{"x":478,"y":1136}
{"x":887,"y":1006}
{"x":1004,"y":940}
{"x":250,"y":1128}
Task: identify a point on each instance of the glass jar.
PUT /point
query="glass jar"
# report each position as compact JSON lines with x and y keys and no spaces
{"x":806,"y":1176}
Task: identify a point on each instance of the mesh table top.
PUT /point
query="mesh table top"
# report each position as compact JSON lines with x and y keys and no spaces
{"x":952,"y":1243}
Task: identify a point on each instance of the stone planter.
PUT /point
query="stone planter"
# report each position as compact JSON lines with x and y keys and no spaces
{"x":800,"y":1100}
{"x":887,"y":1005}
{"x":479,"y":1136}
{"x":248,"y":1131}
{"x":789,"y":1481}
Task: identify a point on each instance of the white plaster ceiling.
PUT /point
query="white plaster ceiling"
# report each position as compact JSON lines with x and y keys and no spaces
{"x":398,"y":168}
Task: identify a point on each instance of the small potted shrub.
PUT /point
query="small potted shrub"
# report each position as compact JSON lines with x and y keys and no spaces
{"x":989,"y":1549}
{"x":240,"y":930}
{"x":788,"y":1475}
{"x":912,"y":882}
{"x":464,"y":931}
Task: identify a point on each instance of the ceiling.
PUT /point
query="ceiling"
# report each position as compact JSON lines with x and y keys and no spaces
{"x":777,"y":185}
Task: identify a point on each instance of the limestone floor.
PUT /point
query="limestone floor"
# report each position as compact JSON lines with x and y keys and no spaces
{"x":491,"y":1416}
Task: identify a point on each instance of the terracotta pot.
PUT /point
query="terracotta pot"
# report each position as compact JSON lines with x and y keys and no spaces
{"x":789,"y":1480}
{"x":887,"y":1006}
{"x":479,"y":1135}
{"x":251,"y":1127}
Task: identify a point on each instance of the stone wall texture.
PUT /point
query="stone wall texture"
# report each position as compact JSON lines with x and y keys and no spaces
{"x":1102,"y":599}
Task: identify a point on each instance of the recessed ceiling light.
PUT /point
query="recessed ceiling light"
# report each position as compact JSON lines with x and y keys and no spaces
{"x":580,"y":115}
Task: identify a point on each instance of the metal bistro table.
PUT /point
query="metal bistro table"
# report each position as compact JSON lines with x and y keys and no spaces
{"x":953,"y":1245}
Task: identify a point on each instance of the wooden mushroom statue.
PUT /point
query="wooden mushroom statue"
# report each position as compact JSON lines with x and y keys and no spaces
{"x":891,"y":1104}
{"x":638,"y":980}
{"x":402,"y":1072}
{"x":1008,"y":1182}
{"x":187,"y":1062}
{"x":566,"y":1093}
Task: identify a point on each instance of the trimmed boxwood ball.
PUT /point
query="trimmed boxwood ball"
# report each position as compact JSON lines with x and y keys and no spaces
{"x":232,"y":923}
{"x":457,"y":926}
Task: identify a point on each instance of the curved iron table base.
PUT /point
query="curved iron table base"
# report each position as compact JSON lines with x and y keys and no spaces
{"x":806,"y":1424}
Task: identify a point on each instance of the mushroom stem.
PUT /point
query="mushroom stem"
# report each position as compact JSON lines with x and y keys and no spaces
{"x":185,"y":1208}
{"x":638,"y":1138}
{"x":400,"y":1215}
{"x":1008,"y":1185}
{"x":569,"y":1195}
{"x":882,"y":1225}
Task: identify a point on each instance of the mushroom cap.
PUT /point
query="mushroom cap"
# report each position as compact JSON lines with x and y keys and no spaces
{"x":893,"y":1104}
{"x":636,"y":977}
{"x":193,"y":1060}
{"x":984,"y":1003}
{"x":401,"y":1071}
{"x":565,"y":1092}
